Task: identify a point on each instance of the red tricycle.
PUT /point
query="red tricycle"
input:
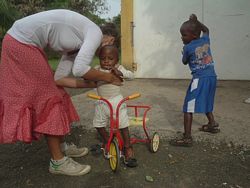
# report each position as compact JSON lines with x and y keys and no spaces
{"x":114,"y":147}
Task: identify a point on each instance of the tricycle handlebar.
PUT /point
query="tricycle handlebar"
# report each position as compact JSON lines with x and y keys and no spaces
{"x":134,"y":96}
{"x":94,"y":96}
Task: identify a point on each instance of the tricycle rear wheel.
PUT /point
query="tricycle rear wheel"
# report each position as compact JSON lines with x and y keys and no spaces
{"x":154,"y":143}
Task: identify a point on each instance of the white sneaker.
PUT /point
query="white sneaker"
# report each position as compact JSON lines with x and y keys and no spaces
{"x":73,"y":151}
{"x":247,"y":101}
{"x":69,"y":167}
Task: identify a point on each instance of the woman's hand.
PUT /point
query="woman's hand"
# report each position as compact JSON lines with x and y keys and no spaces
{"x":107,"y":40}
{"x":116,"y":80}
{"x":96,"y":75}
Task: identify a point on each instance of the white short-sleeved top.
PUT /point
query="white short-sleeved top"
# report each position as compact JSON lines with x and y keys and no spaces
{"x":63,"y":31}
{"x":109,"y":91}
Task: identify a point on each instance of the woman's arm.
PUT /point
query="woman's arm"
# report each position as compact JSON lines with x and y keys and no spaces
{"x":75,"y":83}
{"x":63,"y":71}
{"x":64,"y":67}
{"x":96,"y":75}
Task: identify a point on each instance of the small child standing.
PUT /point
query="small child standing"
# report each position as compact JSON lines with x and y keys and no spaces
{"x":109,"y":57}
{"x":200,"y":94}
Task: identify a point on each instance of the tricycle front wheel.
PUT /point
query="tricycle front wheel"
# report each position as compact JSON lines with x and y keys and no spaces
{"x":154,"y":143}
{"x":114,"y":152}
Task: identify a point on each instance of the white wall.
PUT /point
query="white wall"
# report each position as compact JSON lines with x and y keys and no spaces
{"x":158,"y":45}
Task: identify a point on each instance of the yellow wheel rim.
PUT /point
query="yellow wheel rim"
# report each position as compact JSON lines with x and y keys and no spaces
{"x":113,"y":156}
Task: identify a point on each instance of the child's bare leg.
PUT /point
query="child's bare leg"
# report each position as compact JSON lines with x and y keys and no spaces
{"x":97,"y":148}
{"x":126,"y":137}
{"x":210,"y":118}
{"x":188,"y":118}
{"x":103,"y":133}
{"x":128,"y":149}
{"x":54,"y":146}
{"x":186,"y":140}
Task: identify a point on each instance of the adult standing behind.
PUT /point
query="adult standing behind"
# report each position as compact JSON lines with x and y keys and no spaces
{"x":32,"y":99}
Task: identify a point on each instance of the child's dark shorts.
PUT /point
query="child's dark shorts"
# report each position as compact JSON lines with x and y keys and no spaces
{"x":200,"y":95}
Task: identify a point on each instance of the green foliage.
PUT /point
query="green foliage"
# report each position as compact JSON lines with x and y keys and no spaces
{"x":117,"y":21}
{"x":81,"y":6}
{"x":53,"y":63}
{"x":89,"y":8}
{"x":8,"y":15}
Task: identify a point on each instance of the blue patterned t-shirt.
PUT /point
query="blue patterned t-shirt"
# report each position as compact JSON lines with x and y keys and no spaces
{"x":197,"y":55}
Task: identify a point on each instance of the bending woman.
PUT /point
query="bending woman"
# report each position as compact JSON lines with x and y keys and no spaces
{"x":32,"y":99}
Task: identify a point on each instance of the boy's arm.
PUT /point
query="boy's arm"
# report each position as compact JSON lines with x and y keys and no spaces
{"x":184,"y":56}
{"x":204,"y":28}
{"x":126,"y":73}
{"x":185,"y":62}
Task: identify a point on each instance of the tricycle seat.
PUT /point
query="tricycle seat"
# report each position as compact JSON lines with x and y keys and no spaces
{"x":137,"y":121}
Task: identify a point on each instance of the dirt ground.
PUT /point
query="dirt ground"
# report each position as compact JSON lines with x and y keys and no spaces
{"x":220,"y":160}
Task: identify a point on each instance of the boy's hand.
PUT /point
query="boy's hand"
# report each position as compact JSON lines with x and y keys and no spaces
{"x":193,"y":17}
{"x":117,"y":73}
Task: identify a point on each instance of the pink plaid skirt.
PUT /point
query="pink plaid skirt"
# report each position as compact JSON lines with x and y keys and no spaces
{"x":30,"y":102}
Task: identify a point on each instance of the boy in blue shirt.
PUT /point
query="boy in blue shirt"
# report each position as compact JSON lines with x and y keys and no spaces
{"x":200,"y":94}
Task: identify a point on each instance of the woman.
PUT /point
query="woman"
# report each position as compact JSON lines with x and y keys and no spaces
{"x":31,"y":102}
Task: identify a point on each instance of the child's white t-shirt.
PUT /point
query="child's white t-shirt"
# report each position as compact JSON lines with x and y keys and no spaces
{"x":108,"y":90}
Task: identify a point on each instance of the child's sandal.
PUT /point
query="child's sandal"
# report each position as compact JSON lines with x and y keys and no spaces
{"x":184,"y":141}
{"x":129,"y":160}
{"x":210,"y":128}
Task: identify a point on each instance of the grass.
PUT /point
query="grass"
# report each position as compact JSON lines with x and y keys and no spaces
{"x":53,"y":63}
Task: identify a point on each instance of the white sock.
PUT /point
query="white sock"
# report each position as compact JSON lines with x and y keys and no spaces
{"x":64,"y":146}
{"x":60,"y":161}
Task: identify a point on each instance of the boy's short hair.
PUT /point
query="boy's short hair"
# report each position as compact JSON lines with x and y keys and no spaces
{"x":112,"y":47}
{"x":193,"y":27}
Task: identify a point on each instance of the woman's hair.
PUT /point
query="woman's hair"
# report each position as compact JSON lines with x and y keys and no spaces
{"x":111,"y":30}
